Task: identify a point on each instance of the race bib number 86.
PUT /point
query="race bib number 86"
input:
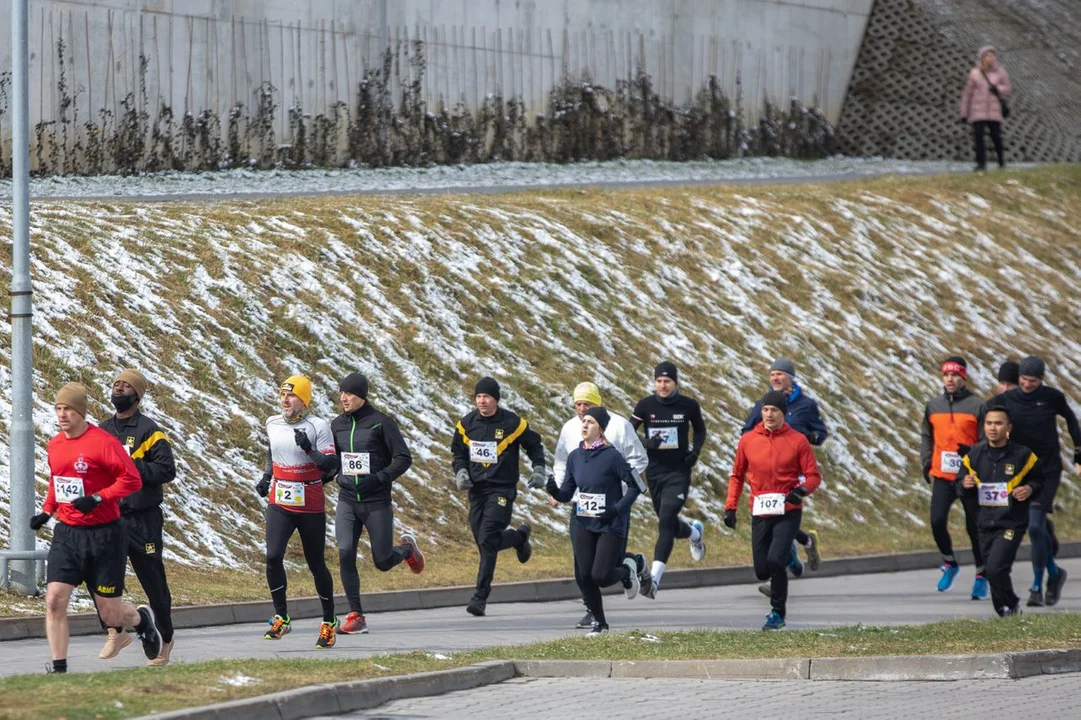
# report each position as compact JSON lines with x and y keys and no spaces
{"x":356,"y":463}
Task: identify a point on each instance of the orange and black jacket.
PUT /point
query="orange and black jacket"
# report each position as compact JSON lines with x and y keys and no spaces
{"x":949,"y":421}
{"x":509,"y":432}
{"x":1012,"y":465}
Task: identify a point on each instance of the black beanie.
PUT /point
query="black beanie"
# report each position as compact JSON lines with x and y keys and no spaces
{"x":1009,"y":372}
{"x":777,"y":399}
{"x":668,"y":370}
{"x":601,"y":416}
{"x":1031,"y":366}
{"x":355,"y":384}
{"x":487,"y":386}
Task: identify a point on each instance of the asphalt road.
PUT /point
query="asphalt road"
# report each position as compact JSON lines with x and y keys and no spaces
{"x":897,"y":598}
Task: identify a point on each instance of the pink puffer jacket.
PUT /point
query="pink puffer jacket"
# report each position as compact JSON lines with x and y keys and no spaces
{"x":978,"y":103}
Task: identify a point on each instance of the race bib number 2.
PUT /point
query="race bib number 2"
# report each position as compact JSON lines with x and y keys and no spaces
{"x":591,"y":504}
{"x":67,"y":489}
{"x":482,"y":452}
{"x":768,"y":505}
{"x":289,"y":494}
{"x":354,"y":463}
{"x":994,"y":495}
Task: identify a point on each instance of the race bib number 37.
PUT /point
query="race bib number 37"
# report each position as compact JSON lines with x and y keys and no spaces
{"x":67,"y":489}
{"x":994,"y":495}
{"x":768,"y":505}
{"x":290,"y":494}
{"x":669,"y":437}
{"x":482,"y":452}
{"x":591,"y":504}
{"x":354,"y":463}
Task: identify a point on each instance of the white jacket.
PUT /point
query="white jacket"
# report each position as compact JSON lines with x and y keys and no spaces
{"x":620,"y":433}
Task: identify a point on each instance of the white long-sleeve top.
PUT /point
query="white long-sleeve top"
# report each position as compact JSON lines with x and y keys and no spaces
{"x":620,"y":433}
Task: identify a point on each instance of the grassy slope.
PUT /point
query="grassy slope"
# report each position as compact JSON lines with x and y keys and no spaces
{"x":867,"y":285}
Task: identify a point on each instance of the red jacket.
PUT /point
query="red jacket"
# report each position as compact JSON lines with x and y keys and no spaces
{"x":772,"y":462}
{"x":98,"y":463}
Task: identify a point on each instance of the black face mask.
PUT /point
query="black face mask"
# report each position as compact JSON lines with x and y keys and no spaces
{"x":123,"y":403}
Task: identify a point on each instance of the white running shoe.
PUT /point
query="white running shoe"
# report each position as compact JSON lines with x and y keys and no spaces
{"x":633,"y":586}
{"x":698,"y":548}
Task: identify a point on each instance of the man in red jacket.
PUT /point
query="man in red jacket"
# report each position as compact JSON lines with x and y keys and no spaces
{"x":89,"y":471}
{"x":771,"y":458}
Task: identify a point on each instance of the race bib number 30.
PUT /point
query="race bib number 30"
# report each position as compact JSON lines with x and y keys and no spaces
{"x":950,"y":462}
{"x":591,"y":504}
{"x":768,"y":505}
{"x":67,"y":489}
{"x":482,"y":452}
{"x":994,"y":495}
{"x":289,"y":494}
{"x":669,"y":437}
{"x":354,"y":463}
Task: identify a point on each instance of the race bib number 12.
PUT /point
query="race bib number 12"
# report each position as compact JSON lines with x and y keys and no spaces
{"x":768,"y":505}
{"x":591,"y":504}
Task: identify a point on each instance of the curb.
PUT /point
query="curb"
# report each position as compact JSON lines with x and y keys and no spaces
{"x":194,"y":616}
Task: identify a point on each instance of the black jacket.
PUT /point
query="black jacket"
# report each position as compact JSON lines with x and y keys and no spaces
{"x":1034,"y":418}
{"x":601,"y":471}
{"x":153,"y":457}
{"x":370,"y":431}
{"x":1012,"y":465}
{"x":507,"y":432}
{"x":660,"y":415}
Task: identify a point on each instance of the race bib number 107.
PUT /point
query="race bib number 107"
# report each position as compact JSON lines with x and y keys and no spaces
{"x":768,"y":505}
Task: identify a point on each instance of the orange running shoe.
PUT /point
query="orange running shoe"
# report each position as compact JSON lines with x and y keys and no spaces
{"x":327,"y":631}
{"x":416,"y":557}
{"x":354,"y":623}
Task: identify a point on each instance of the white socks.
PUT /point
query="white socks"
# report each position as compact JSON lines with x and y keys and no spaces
{"x":657,"y":570}
{"x":696,"y":534}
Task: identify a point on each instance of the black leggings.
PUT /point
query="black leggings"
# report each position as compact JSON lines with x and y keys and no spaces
{"x":669,"y":494}
{"x":995,"y":128}
{"x":1000,"y":550}
{"x":573,"y":528}
{"x":598,"y":561}
{"x":943,"y":493}
{"x":280,"y":525}
{"x":771,"y":547}
{"x":350,"y":519}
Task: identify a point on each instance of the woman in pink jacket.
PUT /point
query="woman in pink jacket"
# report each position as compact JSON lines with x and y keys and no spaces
{"x":982,"y":102}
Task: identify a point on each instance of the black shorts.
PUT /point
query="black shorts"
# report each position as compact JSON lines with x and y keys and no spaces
{"x":96,"y":555}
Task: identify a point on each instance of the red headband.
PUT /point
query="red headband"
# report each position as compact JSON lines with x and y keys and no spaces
{"x":955,"y":368}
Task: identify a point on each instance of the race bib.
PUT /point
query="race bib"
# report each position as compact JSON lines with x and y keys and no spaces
{"x":994,"y":495}
{"x":67,"y":489}
{"x":768,"y":505}
{"x":669,"y":437}
{"x":482,"y":452}
{"x":289,"y":494}
{"x":356,"y":463}
{"x":950,"y":462}
{"x":591,"y":504}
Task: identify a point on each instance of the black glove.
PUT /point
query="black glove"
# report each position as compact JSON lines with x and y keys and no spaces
{"x":692,"y":459}
{"x":927,"y":475}
{"x":962,"y":450}
{"x":730,"y":519}
{"x":994,"y":90}
{"x":86,"y":504}
{"x":302,"y":440}
{"x":1076,"y":457}
{"x":796,"y":496}
{"x":38,"y":521}
{"x":551,"y":487}
{"x":610,"y":513}
{"x":263,"y":486}
{"x":812,"y":437}
{"x":652,"y":443}
{"x":368,"y":485}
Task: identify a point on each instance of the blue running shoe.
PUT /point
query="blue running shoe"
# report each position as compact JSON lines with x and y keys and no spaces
{"x":949,"y":572}
{"x":795,"y":565}
{"x":979,"y":588}
{"x":773,"y":621}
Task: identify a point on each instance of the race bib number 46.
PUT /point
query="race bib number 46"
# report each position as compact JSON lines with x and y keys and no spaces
{"x":591,"y":504}
{"x":290,"y":494}
{"x":67,"y":489}
{"x":994,"y":495}
{"x":950,"y":462}
{"x":356,"y":463}
{"x":768,"y":505}
{"x":482,"y":452}
{"x":669,"y":437}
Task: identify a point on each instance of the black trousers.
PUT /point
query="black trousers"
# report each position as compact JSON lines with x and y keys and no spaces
{"x":771,"y":548}
{"x":573,"y":527}
{"x":995,"y":128}
{"x":598,"y":562}
{"x":943,"y":494}
{"x":489,"y":518}
{"x":668,"y":491}
{"x":350,"y":519}
{"x":280,"y":526}
{"x":144,"y":530}
{"x":999,"y":551}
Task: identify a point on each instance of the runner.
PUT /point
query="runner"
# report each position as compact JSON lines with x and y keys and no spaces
{"x":621,"y":435}
{"x":300,"y":460}
{"x":373,"y":454}
{"x":1001,"y":475}
{"x":143,"y":520}
{"x":1034,"y":409}
{"x":804,"y":417}
{"x":485,"y":448}
{"x":597,"y":474}
{"x":89,"y":473}
{"x":675,"y":433}
{"x":771,"y":459}
{"x":952,"y":422}
{"x":1009,"y":376}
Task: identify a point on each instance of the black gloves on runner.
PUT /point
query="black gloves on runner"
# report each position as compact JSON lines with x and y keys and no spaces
{"x":962,"y":449}
{"x":730,"y":519}
{"x":691,"y":459}
{"x":38,"y":521}
{"x":796,"y":496}
{"x":370,"y":484}
{"x":86,"y":503}
{"x":302,"y":440}
{"x":263,"y":486}
{"x":652,"y":443}
{"x":551,"y":486}
{"x":610,"y":513}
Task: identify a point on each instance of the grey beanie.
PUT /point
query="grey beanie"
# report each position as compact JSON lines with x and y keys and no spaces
{"x":1032,"y":366}
{"x":784,"y":365}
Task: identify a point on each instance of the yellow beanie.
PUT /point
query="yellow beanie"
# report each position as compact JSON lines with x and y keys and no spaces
{"x":299,"y":385}
{"x":587,"y":392}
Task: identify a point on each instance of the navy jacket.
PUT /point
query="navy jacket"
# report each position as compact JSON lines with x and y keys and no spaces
{"x":602,"y":471}
{"x":802,"y":416}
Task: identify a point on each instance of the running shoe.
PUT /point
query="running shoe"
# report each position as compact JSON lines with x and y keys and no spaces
{"x":1054,"y":587}
{"x":949,"y":572}
{"x":814,"y":557}
{"x":1010,"y":612}
{"x":327,"y":631}
{"x":354,"y":623}
{"x":415,"y":561}
{"x":698,"y":547}
{"x":795,"y":565}
{"x":279,"y":627}
{"x":979,"y":588}
{"x":586,"y":622}
{"x":150,"y":636}
{"x":650,"y":591}
{"x":598,"y":629}
{"x":632,"y":585}
{"x":525,"y":550}
{"x":476,"y":606}
{"x":163,"y":659}
{"x":114,"y":643}
{"x":773,"y":621}
{"x":1035,"y":598}
{"x":766,"y":588}
{"x":645,"y":577}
